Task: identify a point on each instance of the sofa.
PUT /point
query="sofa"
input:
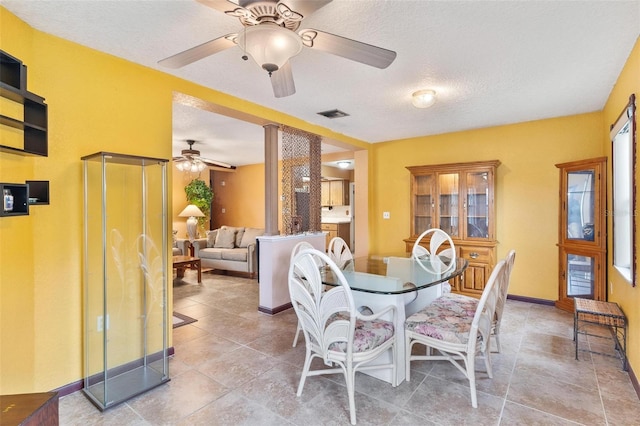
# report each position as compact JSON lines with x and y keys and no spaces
{"x":179,"y":247}
{"x":229,"y":248}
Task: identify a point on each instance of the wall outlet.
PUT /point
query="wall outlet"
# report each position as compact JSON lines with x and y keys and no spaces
{"x":100,"y":323}
{"x":224,"y":210}
{"x":386,"y":215}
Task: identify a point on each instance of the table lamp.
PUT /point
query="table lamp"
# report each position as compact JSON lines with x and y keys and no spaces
{"x":191,"y":211}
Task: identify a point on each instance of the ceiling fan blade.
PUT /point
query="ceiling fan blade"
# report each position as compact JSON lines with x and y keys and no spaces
{"x":347,"y":48}
{"x":305,"y":7}
{"x":198,"y":52}
{"x":219,"y":5}
{"x":217,"y":163}
{"x":282,"y":81}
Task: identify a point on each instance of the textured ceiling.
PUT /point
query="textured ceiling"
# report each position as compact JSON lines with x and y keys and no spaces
{"x":491,"y":62}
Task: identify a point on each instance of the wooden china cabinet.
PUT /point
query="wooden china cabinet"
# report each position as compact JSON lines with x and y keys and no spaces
{"x":459,"y":199}
{"x":582,"y":241}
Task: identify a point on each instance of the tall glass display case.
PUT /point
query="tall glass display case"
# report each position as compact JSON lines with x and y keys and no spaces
{"x":125,"y":276}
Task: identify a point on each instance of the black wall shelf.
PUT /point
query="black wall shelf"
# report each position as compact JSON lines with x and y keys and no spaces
{"x":38,"y":192}
{"x":20,"y":193}
{"x":34,"y":123}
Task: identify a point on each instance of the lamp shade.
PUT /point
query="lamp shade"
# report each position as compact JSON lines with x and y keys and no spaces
{"x":191,"y":210}
{"x":270,"y":45}
{"x":423,"y":98}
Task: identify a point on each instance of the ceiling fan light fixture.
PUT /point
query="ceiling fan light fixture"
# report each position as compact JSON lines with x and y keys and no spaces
{"x":192,"y":165}
{"x":270,"y":45}
{"x":423,"y":98}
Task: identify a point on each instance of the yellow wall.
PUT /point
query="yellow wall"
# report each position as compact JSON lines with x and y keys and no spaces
{"x":620,"y":291}
{"x":242,"y":197}
{"x":97,"y":102}
{"x":179,"y":181}
{"x":526,"y":192}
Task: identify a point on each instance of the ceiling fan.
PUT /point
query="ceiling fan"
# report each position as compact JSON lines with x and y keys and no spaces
{"x":191,"y":161}
{"x":269,"y":36}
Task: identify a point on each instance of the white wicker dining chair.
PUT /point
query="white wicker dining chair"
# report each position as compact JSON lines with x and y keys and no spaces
{"x":457,"y":334}
{"x":302,"y":245}
{"x":470,"y":303}
{"x":333,"y":329}
{"x":339,"y":252}
{"x":441,"y":244}
{"x":497,"y":320}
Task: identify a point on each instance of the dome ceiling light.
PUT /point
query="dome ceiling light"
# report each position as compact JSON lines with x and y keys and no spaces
{"x":423,"y":98}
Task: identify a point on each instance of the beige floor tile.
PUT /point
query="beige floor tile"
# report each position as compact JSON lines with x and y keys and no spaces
{"x":516,"y":415}
{"x":546,"y":392}
{"x":233,"y":409}
{"x":236,"y":366}
{"x":449,"y":403}
{"x":178,"y":398}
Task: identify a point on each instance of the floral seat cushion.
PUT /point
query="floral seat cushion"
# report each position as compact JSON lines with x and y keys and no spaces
{"x":368,"y":335}
{"x":446,"y":319}
{"x":463,"y":302}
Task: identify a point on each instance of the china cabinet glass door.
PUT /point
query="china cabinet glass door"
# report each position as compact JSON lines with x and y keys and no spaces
{"x":449,"y":203}
{"x":477,"y":204}
{"x":580,"y":200}
{"x":581,"y":237}
{"x":424,"y":203}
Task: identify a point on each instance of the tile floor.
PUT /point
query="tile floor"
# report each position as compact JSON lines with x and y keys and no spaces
{"x":236,"y":366}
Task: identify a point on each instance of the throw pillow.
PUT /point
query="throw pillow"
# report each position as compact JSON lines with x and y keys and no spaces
{"x":239,"y":236}
{"x":226,"y":238}
{"x":250,"y":235}
{"x":211,"y":238}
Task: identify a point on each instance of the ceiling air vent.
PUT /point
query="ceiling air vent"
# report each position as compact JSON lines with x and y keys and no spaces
{"x":334,"y":113}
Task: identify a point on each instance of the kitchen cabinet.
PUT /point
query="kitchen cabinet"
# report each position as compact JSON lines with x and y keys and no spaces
{"x":582,"y":243}
{"x":342,"y":230}
{"x":459,"y":199}
{"x":334,"y":192}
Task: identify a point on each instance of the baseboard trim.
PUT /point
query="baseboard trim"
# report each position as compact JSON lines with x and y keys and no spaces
{"x":634,"y":379}
{"x":531,"y":300}
{"x":276,"y":310}
{"x":79,"y":385}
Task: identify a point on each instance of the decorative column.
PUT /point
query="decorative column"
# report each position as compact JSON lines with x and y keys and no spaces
{"x":271,"y":179}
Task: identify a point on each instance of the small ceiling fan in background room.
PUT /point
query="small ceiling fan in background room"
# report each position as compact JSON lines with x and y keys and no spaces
{"x":269,"y":36}
{"x":191,"y":161}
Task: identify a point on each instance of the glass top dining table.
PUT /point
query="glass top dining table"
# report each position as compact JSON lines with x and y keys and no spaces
{"x":396,"y":274}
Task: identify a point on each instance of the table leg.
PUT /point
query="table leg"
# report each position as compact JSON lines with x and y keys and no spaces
{"x":199,"y":266}
{"x":180,"y":271}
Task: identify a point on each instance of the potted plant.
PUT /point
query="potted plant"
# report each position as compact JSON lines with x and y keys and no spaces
{"x":199,"y":194}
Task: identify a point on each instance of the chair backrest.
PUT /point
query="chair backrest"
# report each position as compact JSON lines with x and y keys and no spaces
{"x":509,"y":261}
{"x":440,"y":244}
{"x":315,"y":308}
{"x":339,"y":252}
{"x":302,"y":245}
{"x":485,"y":312}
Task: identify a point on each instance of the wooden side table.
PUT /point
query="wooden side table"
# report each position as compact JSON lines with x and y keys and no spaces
{"x":607,"y":314}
